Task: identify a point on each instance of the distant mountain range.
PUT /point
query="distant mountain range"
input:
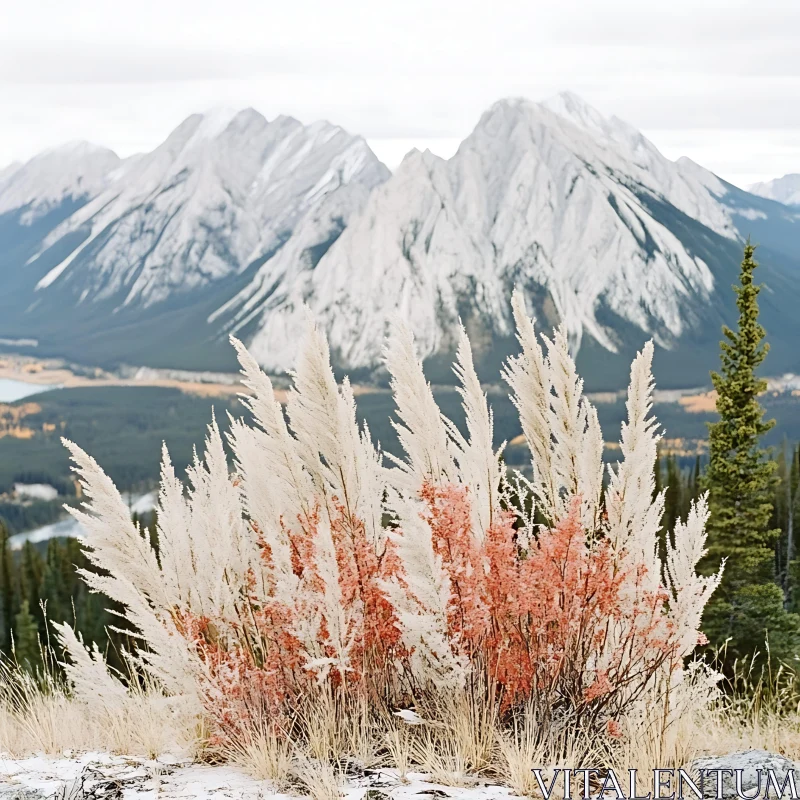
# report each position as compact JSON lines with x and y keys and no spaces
{"x":784,"y":190}
{"x":235,"y":222}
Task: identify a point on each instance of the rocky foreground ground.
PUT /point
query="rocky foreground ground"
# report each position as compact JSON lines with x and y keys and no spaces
{"x":99,"y":776}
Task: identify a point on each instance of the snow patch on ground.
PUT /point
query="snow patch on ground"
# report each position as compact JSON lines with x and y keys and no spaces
{"x":165,"y":778}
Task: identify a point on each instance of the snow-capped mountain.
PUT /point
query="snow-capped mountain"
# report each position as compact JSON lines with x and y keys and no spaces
{"x":223,"y":190}
{"x":235,"y":222}
{"x":74,"y":171}
{"x":144,"y":242}
{"x":7,"y":171}
{"x":785,"y":190}
{"x":576,"y":208}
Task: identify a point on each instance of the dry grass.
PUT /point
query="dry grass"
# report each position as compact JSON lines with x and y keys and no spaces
{"x":400,"y":749}
{"x":336,"y":727}
{"x":461,"y":740}
{"x":777,"y":733}
{"x":760,"y":709}
{"x":441,"y":759}
{"x":525,"y":744}
{"x":265,"y":755}
{"x":38,"y":715}
{"x":318,"y":778}
{"x":52,"y":723}
{"x":149,"y":725}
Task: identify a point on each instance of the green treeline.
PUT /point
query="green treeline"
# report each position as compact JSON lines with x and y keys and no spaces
{"x":40,"y":582}
{"x":776,"y":619}
{"x":19,"y":517}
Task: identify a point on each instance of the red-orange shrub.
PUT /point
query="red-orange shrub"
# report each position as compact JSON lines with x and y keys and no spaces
{"x":560,"y":620}
{"x":254,"y":664}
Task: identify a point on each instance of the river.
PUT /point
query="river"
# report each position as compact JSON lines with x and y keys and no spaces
{"x":69,"y":527}
{"x":11,"y":390}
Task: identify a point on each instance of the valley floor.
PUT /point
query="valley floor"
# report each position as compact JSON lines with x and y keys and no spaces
{"x":50,"y":373}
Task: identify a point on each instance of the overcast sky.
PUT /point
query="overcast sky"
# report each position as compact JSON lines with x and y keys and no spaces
{"x":717,"y":80}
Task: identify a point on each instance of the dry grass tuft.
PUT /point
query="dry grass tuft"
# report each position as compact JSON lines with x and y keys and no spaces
{"x":38,"y":715}
{"x":266,"y":755}
{"x":400,"y":749}
{"x":334,"y":726}
{"x":318,"y":778}
{"x":460,"y":742}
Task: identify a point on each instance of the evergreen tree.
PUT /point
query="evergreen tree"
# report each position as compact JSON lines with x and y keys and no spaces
{"x":31,"y":576}
{"x":6,"y":590}
{"x":695,"y":480}
{"x":26,"y":639}
{"x":657,"y":472}
{"x":673,"y":495}
{"x":747,"y":608}
{"x":29,"y":580}
{"x":791,"y":494}
{"x":31,"y":573}
{"x":56,"y":587}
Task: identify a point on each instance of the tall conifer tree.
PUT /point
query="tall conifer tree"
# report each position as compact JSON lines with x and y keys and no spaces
{"x":26,"y":639}
{"x":747,"y":609}
{"x":792,"y":521}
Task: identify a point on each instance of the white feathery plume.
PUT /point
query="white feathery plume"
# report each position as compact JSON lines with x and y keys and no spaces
{"x":688,"y":546}
{"x":577,"y":441}
{"x":324,"y":457}
{"x":222,"y":549}
{"x":529,"y":378}
{"x":567,"y":422}
{"x":478,"y":463}
{"x":634,"y":517}
{"x":275,"y":488}
{"x":421,"y":601}
{"x":172,"y":524}
{"x":421,"y":430}
{"x":339,"y":621}
{"x":436,"y":453}
{"x":590,"y":469}
{"x":267,"y":499}
{"x":559,"y":424}
{"x":340,"y":458}
{"x":89,"y":676}
{"x":690,"y":591}
{"x":516,"y":493}
{"x":167,"y":658}
{"x":114,"y":542}
{"x":279,"y":445}
{"x":134,"y":579}
{"x":368,"y":471}
{"x":314,"y":415}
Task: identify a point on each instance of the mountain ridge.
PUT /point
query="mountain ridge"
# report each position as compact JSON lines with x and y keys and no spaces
{"x":235,"y":223}
{"x":785,"y":190}
{"x":488,"y":242}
